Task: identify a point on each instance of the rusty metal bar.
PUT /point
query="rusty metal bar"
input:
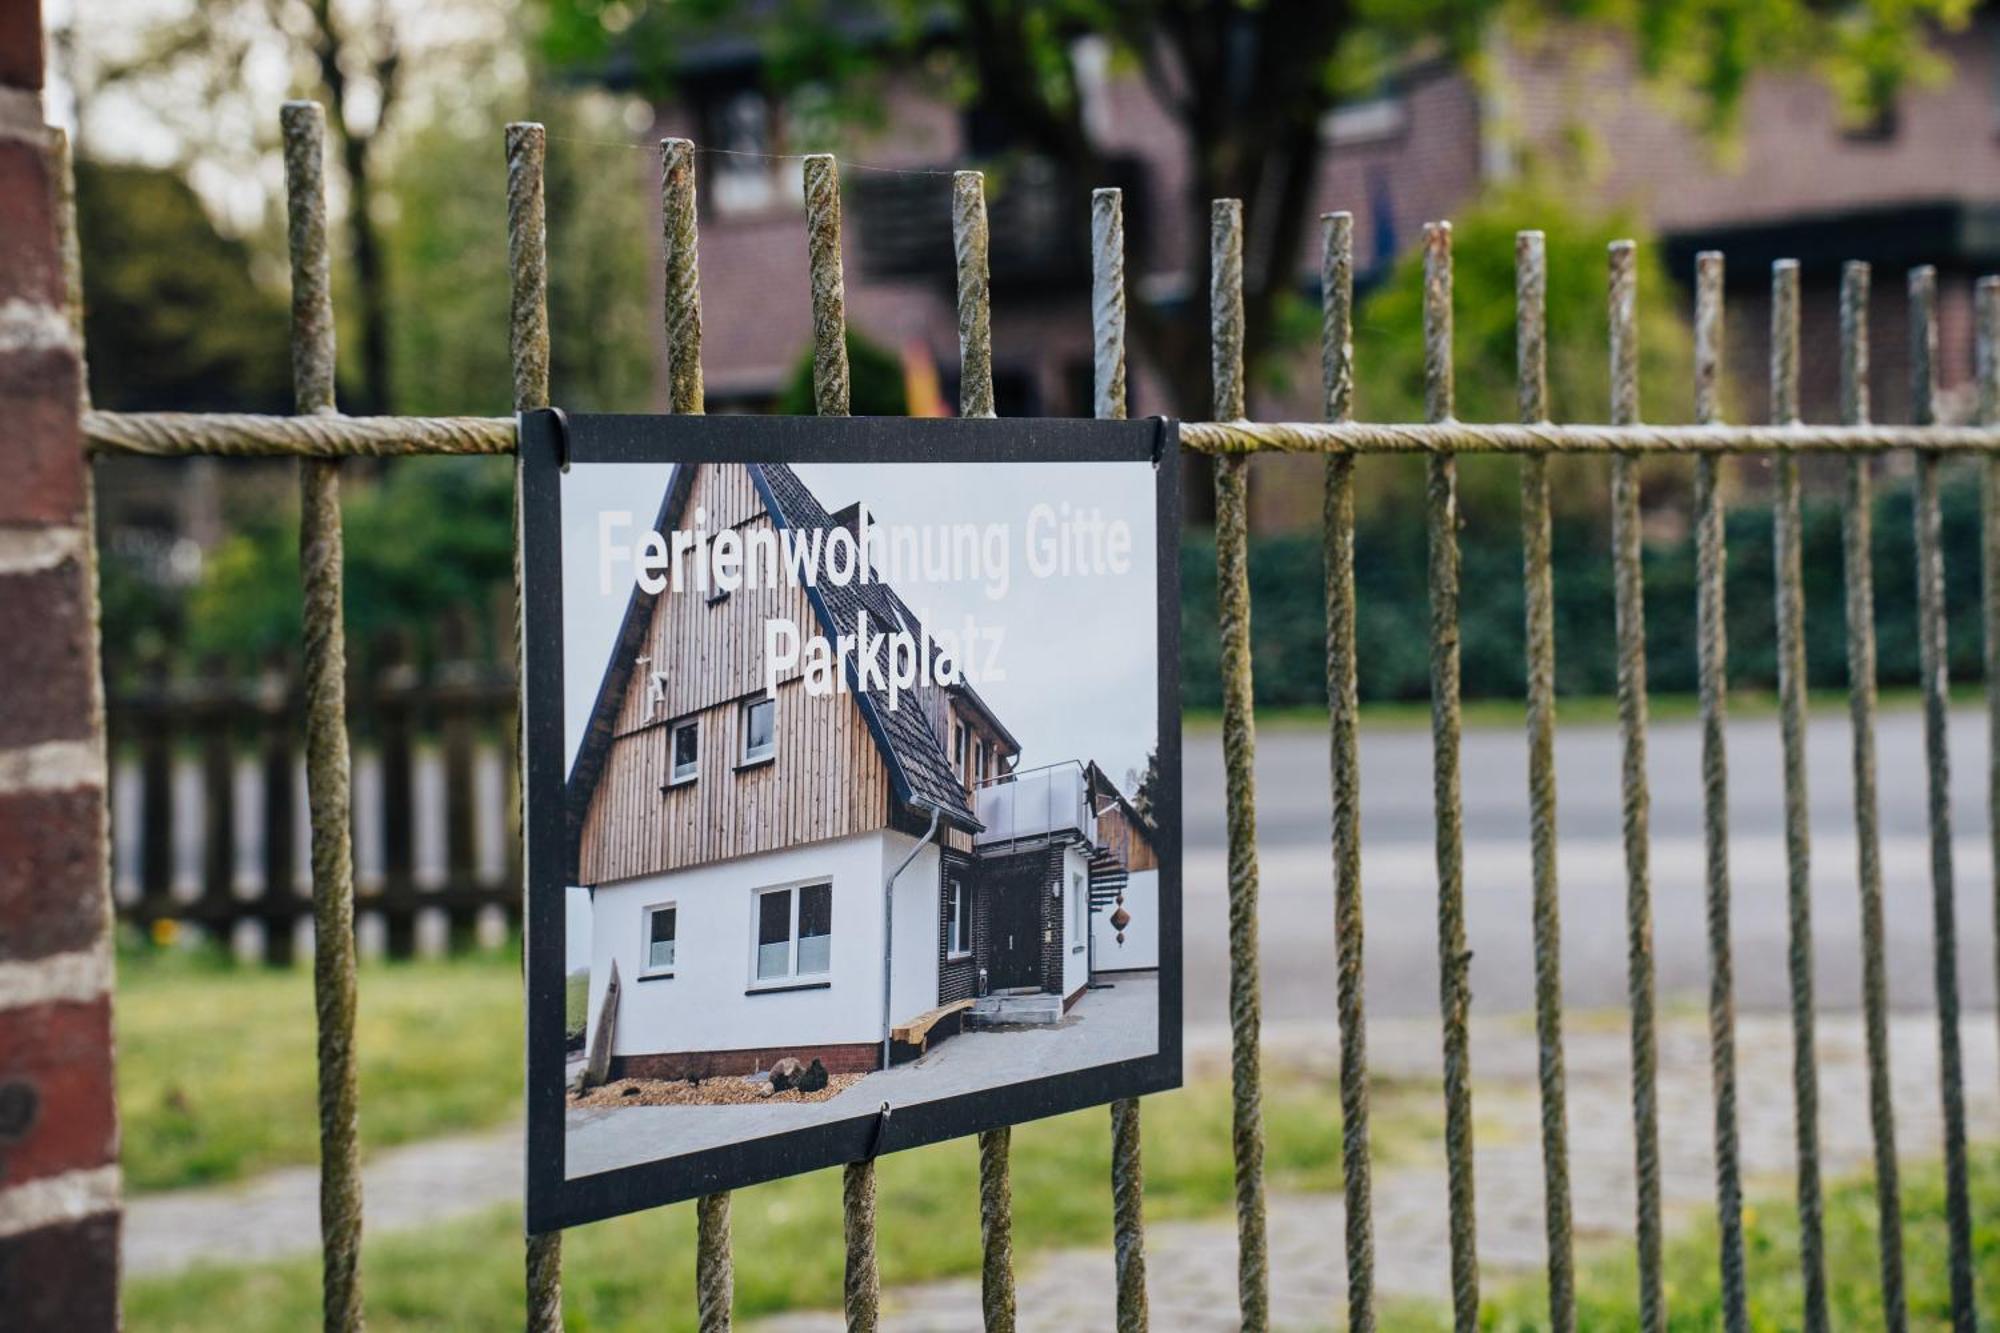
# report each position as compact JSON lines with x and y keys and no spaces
{"x":680,"y":243}
{"x":861,"y":1285}
{"x":1223,"y":438}
{"x":1239,"y":746}
{"x":247,"y":435}
{"x":975,"y":311}
{"x":1790,"y":610}
{"x":1454,"y":959}
{"x":1107,"y":324}
{"x":1986,"y":358}
{"x":715,"y":1276}
{"x":1630,"y":615}
{"x":1343,"y":709}
{"x":1532,"y":376}
{"x":828,"y":279}
{"x":1857,"y":540}
{"x":528,"y":351}
{"x":1937,"y":704}
{"x":975,"y":399}
{"x":327,"y":763}
{"x":1711,"y":555}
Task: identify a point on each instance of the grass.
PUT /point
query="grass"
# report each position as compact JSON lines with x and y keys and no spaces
{"x":1607,"y":1286}
{"x":637,"y":1272}
{"x":576,"y":1003}
{"x":216,"y":1064}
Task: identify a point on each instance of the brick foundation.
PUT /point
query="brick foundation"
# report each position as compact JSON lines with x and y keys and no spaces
{"x":844,"y":1058}
{"x":59,"y":1209}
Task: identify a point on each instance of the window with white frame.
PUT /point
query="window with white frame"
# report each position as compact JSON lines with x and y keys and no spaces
{"x":958,"y":750}
{"x":760,"y":730}
{"x":794,"y":932}
{"x":684,"y":745}
{"x":958,"y":918}
{"x":1079,"y":908}
{"x":661,"y":927}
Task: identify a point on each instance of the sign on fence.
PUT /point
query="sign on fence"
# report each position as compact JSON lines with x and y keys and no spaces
{"x":853,"y":784}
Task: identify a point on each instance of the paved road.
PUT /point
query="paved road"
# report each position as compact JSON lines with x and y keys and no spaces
{"x":1399,"y":880}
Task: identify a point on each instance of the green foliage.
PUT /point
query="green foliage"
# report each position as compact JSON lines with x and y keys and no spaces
{"x":174,"y":315}
{"x":874,"y":382}
{"x":1389,"y":347}
{"x":1392,"y":611}
{"x":430,"y":537}
{"x":576,"y":1003}
{"x":448,"y":249}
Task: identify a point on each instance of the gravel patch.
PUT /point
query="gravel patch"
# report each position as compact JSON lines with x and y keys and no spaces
{"x":708,"y":1092}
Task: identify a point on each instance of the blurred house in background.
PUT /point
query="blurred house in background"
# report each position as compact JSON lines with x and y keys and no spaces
{"x":1920,"y":184}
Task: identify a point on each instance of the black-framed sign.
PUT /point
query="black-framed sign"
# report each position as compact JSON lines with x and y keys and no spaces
{"x":852,"y":789}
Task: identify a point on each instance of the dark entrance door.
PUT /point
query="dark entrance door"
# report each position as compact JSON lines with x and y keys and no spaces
{"x":1014,"y":893}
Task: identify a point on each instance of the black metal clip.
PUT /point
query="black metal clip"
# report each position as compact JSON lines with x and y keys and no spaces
{"x":876,"y":1135}
{"x":562,"y":439}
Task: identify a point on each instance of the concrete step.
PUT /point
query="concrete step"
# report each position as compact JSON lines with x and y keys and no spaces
{"x":999,"y":1010}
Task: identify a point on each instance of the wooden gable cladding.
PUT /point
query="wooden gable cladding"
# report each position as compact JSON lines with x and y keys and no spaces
{"x":709,"y":652}
{"x":827,"y":779}
{"x":1129,"y":842}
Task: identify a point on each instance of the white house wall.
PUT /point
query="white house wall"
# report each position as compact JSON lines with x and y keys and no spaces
{"x":711,"y":1003}
{"x":1142,"y":936}
{"x":1075,"y":950}
{"x":914,"y":989}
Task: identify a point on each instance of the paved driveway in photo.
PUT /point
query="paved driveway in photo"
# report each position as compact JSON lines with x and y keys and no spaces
{"x":1104,"y":1026}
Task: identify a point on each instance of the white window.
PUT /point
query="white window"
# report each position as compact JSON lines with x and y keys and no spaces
{"x":979,"y":766}
{"x":794,"y":928}
{"x":958,"y":750}
{"x":958,"y":918}
{"x":1079,"y":908}
{"x":685,"y":746}
{"x":760,"y":730}
{"x":661,"y":924}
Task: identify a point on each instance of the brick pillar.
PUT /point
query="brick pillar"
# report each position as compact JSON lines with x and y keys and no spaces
{"x":59,"y":1210}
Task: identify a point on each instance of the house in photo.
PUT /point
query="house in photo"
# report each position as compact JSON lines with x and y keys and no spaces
{"x":849,"y":876}
{"x":1125,"y":906}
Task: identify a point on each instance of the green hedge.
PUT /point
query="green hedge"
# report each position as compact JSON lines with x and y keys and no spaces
{"x":1288,"y":617}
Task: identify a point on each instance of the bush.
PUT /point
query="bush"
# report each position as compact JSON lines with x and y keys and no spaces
{"x":1288,"y":617}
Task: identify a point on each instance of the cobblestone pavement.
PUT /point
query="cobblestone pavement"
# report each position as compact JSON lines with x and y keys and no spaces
{"x":1191,"y":1266}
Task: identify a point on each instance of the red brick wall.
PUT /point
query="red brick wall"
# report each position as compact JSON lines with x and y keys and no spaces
{"x":59,"y":1210}
{"x":854,"y":1057}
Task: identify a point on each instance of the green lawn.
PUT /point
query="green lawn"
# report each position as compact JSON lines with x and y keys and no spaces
{"x":1607,"y":1288}
{"x":216,"y":1073}
{"x":638,"y":1272}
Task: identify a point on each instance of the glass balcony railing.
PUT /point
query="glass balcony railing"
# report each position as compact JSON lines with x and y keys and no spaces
{"x":1035,"y":803}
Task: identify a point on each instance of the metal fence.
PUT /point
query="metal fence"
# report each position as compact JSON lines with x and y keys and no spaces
{"x":322,"y":438}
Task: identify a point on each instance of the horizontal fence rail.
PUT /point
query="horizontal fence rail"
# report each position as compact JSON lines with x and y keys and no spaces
{"x":322,"y":436}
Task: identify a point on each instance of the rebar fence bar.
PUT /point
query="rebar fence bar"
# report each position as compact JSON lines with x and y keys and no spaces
{"x":321,"y":438}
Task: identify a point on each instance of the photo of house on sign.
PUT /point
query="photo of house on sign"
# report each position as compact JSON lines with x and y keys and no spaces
{"x":861,"y":800}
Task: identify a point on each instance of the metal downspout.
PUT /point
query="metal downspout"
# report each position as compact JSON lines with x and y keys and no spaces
{"x":889,"y":926}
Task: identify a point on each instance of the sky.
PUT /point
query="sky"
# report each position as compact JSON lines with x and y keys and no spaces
{"x":1080,"y":653}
